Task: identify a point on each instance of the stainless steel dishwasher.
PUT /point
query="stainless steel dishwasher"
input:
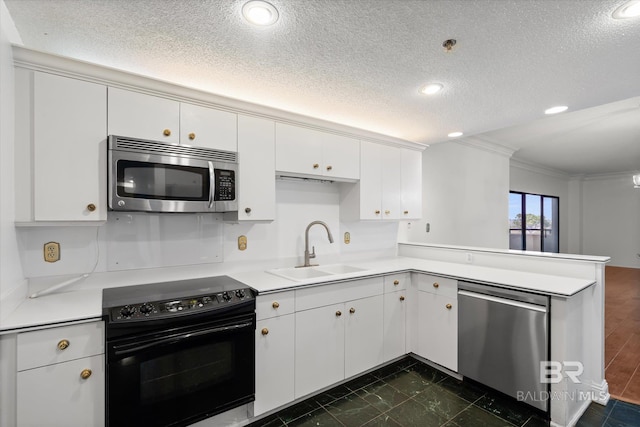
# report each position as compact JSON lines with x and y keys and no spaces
{"x":503,"y":335}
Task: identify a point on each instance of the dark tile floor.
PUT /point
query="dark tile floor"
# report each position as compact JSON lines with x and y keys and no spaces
{"x":409,"y":393}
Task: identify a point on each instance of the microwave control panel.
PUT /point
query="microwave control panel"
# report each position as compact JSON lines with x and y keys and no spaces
{"x":225,"y":188}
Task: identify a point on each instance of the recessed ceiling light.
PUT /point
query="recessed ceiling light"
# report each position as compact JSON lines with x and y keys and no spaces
{"x":431,"y":88}
{"x":630,"y":9}
{"x":455,"y":134}
{"x":260,"y":12}
{"x":556,"y":110}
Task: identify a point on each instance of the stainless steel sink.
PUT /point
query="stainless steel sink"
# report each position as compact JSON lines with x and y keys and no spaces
{"x":303,"y":273}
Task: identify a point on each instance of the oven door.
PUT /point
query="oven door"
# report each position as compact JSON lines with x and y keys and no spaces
{"x":181,"y":375}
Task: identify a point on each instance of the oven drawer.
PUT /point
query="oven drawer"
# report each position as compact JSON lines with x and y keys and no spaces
{"x":55,"y":345}
{"x":274,"y":305}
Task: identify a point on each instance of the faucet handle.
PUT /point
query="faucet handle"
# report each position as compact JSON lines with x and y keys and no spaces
{"x":313,"y":252}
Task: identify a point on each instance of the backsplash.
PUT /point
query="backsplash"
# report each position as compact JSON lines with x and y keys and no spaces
{"x":142,"y":240}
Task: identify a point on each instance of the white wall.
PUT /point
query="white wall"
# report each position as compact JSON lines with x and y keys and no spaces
{"x":465,"y":197}
{"x":611,"y":219}
{"x":139,"y":241}
{"x":12,"y":284}
{"x":528,"y":179}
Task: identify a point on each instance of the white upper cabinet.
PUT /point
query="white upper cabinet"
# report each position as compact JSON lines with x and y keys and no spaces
{"x":411,"y":179}
{"x":311,"y":153}
{"x":390,"y":186}
{"x":206,"y":127}
{"x":256,"y":182}
{"x":137,"y":115}
{"x":66,"y":122}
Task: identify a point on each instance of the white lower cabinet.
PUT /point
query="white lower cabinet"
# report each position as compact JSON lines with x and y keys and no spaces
{"x":438,"y":329}
{"x":61,"y":378}
{"x":60,"y":395}
{"x":319,"y":348}
{"x":274,"y":361}
{"x":338,"y":333}
{"x":363,"y":335}
{"x":395,"y":312}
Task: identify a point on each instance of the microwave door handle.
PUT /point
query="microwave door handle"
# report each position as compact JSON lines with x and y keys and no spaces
{"x":122,"y":350}
{"x":212,"y":185}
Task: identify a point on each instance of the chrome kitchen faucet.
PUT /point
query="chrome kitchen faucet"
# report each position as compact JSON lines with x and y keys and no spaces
{"x":308,"y":255}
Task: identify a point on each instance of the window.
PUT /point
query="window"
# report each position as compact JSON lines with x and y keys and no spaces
{"x":533,"y":222}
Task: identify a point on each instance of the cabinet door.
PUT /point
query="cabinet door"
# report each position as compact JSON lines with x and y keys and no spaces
{"x":274,"y":359}
{"x":298,"y":150}
{"x":56,"y":395}
{"x":370,"y":180}
{"x":438,"y":329}
{"x":319,"y":348}
{"x":411,"y":177}
{"x":394,"y":334}
{"x":341,"y":157}
{"x":137,"y":115}
{"x":363,"y":335}
{"x":391,"y":182}
{"x":208,"y":127}
{"x":69,"y":133}
{"x":256,"y":154}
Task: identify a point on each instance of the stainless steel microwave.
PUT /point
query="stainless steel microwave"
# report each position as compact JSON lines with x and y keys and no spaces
{"x":154,"y":176}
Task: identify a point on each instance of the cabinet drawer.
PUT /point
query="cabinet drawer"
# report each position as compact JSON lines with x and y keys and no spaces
{"x":273,"y":305}
{"x":55,"y":345}
{"x":396,"y":282}
{"x":319,"y":296}
{"x":437,"y":285}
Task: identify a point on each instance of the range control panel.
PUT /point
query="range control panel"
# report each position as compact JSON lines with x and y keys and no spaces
{"x":175,"y":307}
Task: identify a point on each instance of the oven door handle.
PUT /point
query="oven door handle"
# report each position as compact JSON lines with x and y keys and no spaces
{"x":122,"y":350}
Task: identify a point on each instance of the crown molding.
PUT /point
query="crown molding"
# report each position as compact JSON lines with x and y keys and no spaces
{"x":610,"y":176}
{"x":486,"y":145}
{"x":538,"y":168}
{"x":82,"y":70}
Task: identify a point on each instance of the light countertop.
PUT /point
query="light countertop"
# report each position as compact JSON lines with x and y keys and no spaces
{"x":83,"y":304}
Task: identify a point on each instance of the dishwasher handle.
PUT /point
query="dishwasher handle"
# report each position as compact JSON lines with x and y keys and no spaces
{"x":518,"y":304}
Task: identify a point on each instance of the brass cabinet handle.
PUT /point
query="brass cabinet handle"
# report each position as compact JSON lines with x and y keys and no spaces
{"x":265,"y":331}
{"x":316,"y":166}
{"x":448,"y":306}
{"x":406,"y":212}
{"x":436,"y":285}
{"x":338,"y":313}
{"x":329,"y":168}
{"x":91,"y":207}
{"x":352,"y":310}
{"x":275,"y":304}
{"x":192,"y":136}
{"x":63,"y":344}
{"x":401,"y":298}
{"x":166,"y":132}
{"x":396,"y":282}
{"x":247,"y":210}
{"x":86,"y":373}
{"x":387,"y":212}
{"x":377,"y":212}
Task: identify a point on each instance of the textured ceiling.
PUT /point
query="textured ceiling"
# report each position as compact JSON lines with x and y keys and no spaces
{"x":361,"y":63}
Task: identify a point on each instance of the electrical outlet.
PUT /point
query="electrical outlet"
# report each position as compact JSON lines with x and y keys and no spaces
{"x":52,"y":251}
{"x":469,"y":257}
{"x":242,"y":243}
